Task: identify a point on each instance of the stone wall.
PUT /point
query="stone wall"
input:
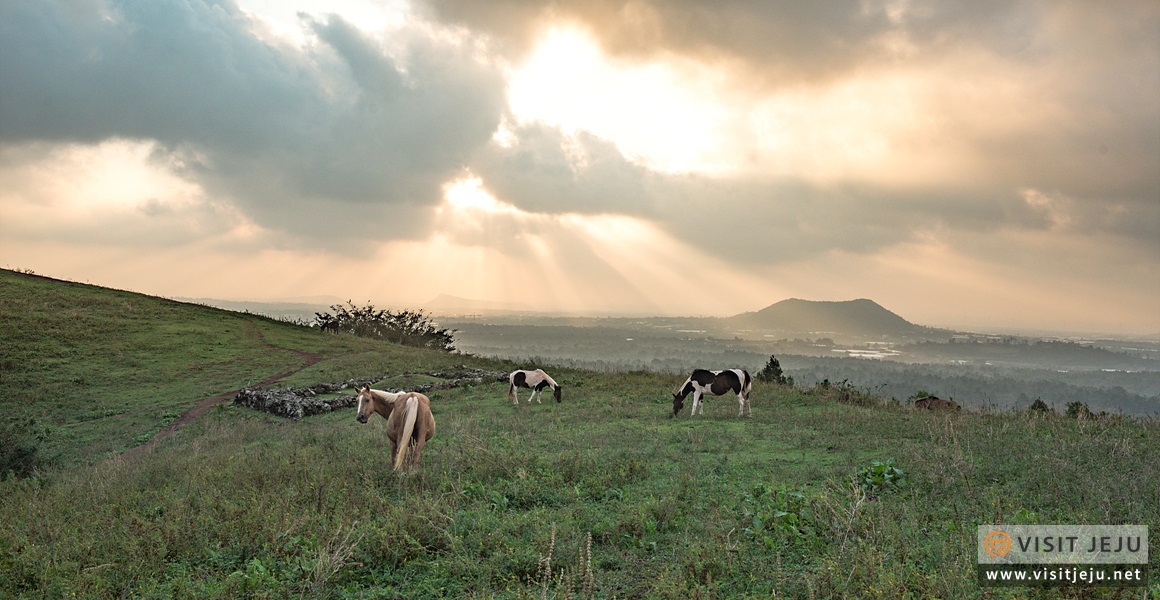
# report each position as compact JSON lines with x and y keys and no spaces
{"x":295,"y":403}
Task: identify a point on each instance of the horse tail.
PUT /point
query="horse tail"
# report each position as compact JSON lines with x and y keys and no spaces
{"x":412,"y":411}
{"x":747,"y":384}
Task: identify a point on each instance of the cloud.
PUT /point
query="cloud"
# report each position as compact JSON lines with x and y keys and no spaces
{"x":804,"y":138}
{"x":337,"y":133}
{"x":778,"y":42}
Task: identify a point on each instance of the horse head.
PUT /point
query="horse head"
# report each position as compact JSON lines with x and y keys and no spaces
{"x":365,"y":399}
{"x":678,"y":403}
{"x":556,"y":393}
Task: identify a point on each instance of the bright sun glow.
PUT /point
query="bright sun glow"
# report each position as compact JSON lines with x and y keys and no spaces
{"x":678,"y":114}
{"x":468,"y":194}
{"x":664,"y":115}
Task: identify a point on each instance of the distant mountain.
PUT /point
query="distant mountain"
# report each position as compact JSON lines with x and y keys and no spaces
{"x":860,"y":318}
{"x":446,"y":303}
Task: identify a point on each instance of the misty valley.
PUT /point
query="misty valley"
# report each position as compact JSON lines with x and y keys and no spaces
{"x":993,"y":372}
{"x":855,"y":342}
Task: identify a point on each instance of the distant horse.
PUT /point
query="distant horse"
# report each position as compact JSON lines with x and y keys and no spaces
{"x":331,"y":326}
{"x":936,"y":403}
{"x":715,"y":383}
{"x":536,"y":381}
{"x":409,"y":420}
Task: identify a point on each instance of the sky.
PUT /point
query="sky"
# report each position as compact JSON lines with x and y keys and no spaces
{"x":971,"y":165}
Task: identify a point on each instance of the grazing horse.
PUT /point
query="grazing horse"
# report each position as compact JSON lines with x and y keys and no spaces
{"x":936,"y":403}
{"x":715,"y":383}
{"x":409,"y":420}
{"x":331,"y":326}
{"x":536,"y":381}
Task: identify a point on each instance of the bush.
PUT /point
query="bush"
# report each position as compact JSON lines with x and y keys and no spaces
{"x":845,"y":392}
{"x":1079,"y":410}
{"x":406,"y":327}
{"x":1040,"y":406}
{"x":772,"y":373}
{"x":917,"y":395}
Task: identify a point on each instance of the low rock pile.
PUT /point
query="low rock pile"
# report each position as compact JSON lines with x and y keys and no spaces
{"x":295,"y":403}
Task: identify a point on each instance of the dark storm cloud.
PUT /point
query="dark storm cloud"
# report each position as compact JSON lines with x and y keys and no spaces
{"x":338,"y":132}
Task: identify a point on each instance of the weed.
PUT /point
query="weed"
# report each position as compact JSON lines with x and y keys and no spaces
{"x":881,"y":476}
{"x":775,"y":516}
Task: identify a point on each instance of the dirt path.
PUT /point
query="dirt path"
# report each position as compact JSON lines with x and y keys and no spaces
{"x":203,"y":405}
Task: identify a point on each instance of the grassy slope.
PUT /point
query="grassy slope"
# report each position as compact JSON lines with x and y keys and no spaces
{"x":244,"y":504}
{"x":96,"y":371}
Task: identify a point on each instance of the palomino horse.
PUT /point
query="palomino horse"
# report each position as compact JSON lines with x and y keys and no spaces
{"x":536,"y":381}
{"x":409,"y":420}
{"x":715,"y":383}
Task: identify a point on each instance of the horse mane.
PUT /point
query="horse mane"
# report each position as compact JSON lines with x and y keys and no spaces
{"x":385,"y":395}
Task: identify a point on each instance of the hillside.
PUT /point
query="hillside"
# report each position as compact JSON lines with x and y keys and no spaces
{"x":860,"y":318}
{"x":94,"y":371}
{"x":601,"y":496}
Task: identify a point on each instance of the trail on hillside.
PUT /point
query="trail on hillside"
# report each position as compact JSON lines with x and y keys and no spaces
{"x":203,"y":405}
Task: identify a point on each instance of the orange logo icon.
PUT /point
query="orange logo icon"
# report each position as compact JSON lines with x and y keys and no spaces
{"x":997,"y":543}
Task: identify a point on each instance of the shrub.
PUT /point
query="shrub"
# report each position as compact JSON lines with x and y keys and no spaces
{"x":845,"y":392}
{"x":1040,"y":406}
{"x":1079,"y":410}
{"x":772,"y":373}
{"x":405,"y":327}
{"x":915,"y":396}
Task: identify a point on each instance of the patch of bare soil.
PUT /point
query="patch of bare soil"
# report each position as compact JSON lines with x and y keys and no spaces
{"x":203,"y":405}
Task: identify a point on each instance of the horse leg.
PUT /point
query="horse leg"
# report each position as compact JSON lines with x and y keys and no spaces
{"x":537,"y":394}
{"x":417,"y":449}
{"x":696,"y":403}
{"x":394,"y":451}
{"x":515,"y":395}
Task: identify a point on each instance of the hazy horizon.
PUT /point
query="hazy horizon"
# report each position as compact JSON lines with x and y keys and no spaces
{"x":983,"y":166}
{"x":456,"y":313}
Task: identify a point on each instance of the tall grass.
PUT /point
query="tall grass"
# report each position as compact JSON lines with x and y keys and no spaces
{"x":623,"y":500}
{"x":600,"y":496}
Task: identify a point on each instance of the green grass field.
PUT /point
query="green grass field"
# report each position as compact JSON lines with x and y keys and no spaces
{"x":601,"y":496}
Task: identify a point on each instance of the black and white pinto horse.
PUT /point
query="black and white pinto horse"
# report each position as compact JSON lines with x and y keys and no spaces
{"x":535,"y":380}
{"x":715,"y":383}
